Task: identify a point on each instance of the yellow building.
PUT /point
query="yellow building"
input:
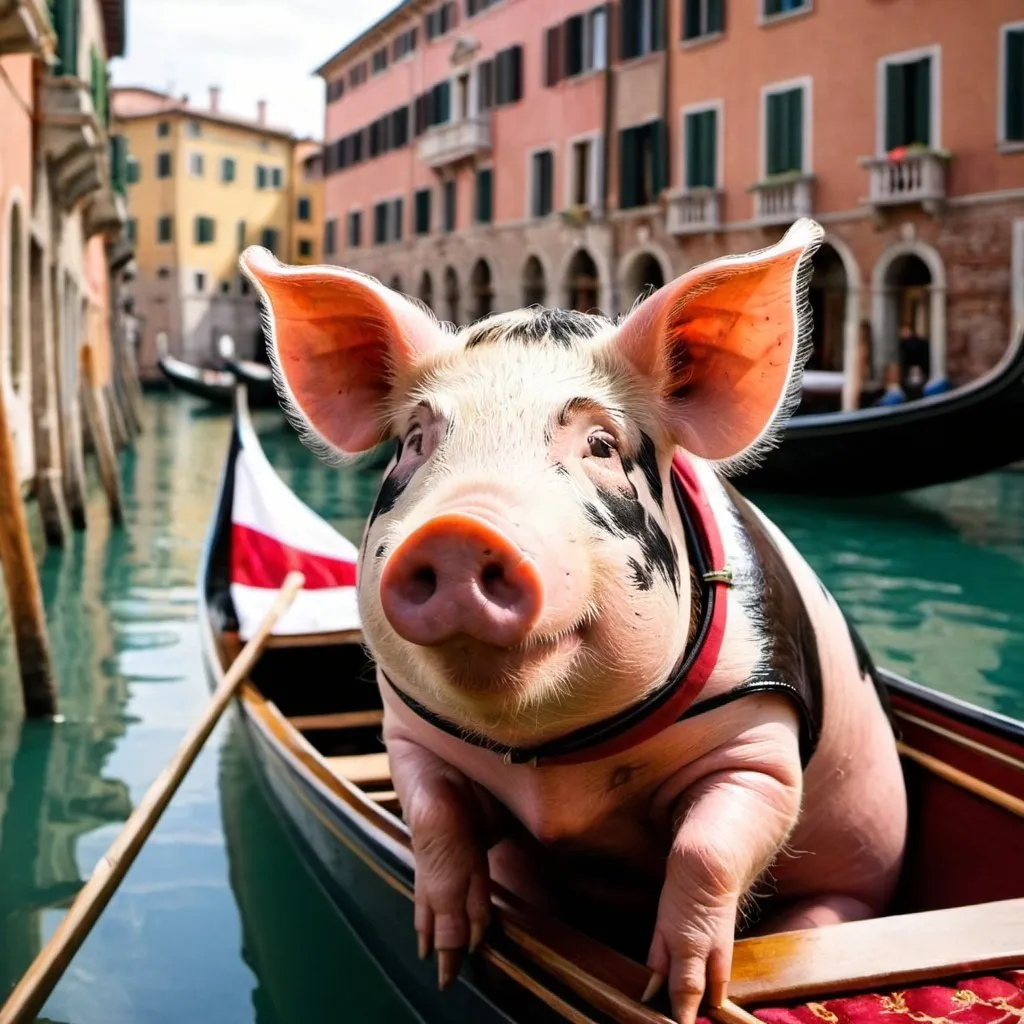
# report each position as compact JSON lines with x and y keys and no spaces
{"x":202,"y":185}
{"x":308,"y":202}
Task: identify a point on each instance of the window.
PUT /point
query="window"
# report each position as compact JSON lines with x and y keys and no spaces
{"x":584,"y":183}
{"x":432,"y":107}
{"x":163,"y":129}
{"x":578,"y":45}
{"x":163,"y":165}
{"x":355,"y":230}
{"x":380,"y":223}
{"x":204,"y":230}
{"x":542,"y":183}
{"x":196,"y":165}
{"x":642,"y":164}
{"x":784,"y":131}
{"x":703,"y":18}
{"x":396,"y":224}
{"x":484,"y":210}
{"x":380,"y":60}
{"x":305,"y":247}
{"x":276,"y":177}
{"x":448,"y":195}
{"x":194,"y":129}
{"x":357,"y":75}
{"x":240,"y":235}
{"x":440,"y":20}
{"x":1012,"y":102}
{"x":163,"y":273}
{"x":261,"y":176}
{"x":508,"y":74}
{"x":132,"y":170}
{"x":199,"y":281}
{"x":422,"y":211}
{"x":700,"y":148}
{"x":774,"y":7}
{"x":133,"y":230}
{"x":268,"y":239}
{"x":476,"y":6}
{"x":641,"y":27}
{"x":225,"y":287}
{"x":304,"y":212}
{"x":908,"y":102}
{"x":595,"y":57}
{"x":404,"y":44}
{"x":227,"y":170}
{"x":335,"y":90}
{"x":164,"y":229}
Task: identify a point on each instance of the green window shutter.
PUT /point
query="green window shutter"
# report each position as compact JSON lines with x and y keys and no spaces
{"x":692,"y":143}
{"x":710,"y":143}
{"x":659,"y":159}
{"x":775,"y":120}
{"x":922,"y":78}
{"x":1015,"y":85}
{"x":895,"y":106}
{"x":716,"y":15}
{"x":484,"y":198}
{"x":65,"y":23}
{"x":627,"y":168}
{"x":629,"y":28}
{"x":772,"y":7}
{"x":701,"y":156}
{"x":657,"y":25}
{"x":691,"y":19}
{"x":795,"y":130}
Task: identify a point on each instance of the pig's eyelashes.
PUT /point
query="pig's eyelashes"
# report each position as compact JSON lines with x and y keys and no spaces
{"x":601,"y":445}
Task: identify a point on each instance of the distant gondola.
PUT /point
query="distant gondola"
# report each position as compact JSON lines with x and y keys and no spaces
{"x":312,"y":717}
{"x":962,"y":433}
{"x":258,"y":379}
{"x":216,"y":386}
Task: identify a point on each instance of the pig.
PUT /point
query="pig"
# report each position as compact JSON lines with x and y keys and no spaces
{"x":588,"y":644}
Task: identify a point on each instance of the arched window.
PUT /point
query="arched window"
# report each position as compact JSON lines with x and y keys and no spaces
{"x":643,"y":278}
{"x":535,"y":291}
{"x":482,"y":288}
{"x":451,"y":295}
{"x":427,"y":289}
{"x":828,"y":291}
{"x":582,"y":282}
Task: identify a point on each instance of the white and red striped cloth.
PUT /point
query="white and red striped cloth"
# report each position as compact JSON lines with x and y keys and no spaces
{"x":272,"y":533}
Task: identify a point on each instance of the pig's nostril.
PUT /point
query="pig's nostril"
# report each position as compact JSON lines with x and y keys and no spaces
{"x":497,"y":587}
{"x":422,"y":585}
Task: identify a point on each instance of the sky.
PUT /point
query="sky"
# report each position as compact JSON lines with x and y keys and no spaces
{"x":252,"y":49}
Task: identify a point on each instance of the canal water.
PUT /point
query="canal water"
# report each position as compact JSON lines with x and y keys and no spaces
{"x":218,"y":921}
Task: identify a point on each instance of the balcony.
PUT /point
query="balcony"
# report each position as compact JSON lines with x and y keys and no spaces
{"x":447,"y":144}
{"x":907,"y":176}
{"x":105,"y":214}
{"x":692,"y":211}
{"x":25,"y":28}
{"x":782,"y":199}
{"x":72,"y":139}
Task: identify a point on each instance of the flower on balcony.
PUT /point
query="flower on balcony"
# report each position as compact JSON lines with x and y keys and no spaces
{"x":576,"y":216}
{"x":914,"y":149}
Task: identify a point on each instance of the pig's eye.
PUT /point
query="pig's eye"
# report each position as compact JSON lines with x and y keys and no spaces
{"x":414,"y":441}
{"x":601,"y":445}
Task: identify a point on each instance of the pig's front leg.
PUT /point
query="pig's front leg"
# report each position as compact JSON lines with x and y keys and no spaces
{"x":451,"y":824}
{"x":734,"y":820}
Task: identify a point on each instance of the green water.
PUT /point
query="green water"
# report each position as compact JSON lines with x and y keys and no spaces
{"x":218,"y":921}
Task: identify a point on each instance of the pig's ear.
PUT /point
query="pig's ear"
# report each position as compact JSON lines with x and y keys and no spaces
{"x":723,"y":346}
{"x":338,"y":339}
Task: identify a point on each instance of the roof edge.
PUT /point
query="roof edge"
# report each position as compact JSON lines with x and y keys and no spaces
{"x":402,"y":8}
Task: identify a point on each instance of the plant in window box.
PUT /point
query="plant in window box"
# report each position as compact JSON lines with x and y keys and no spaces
{"x":576,"y":216}
{"x":901,"y":153}
{"x":782,"y":178}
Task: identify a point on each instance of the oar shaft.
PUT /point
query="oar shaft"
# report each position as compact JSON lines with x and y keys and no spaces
{"x":39,"y":980}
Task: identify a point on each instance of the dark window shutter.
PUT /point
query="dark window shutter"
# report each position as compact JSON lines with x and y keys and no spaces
{"x":922,"y":78}
{"x":895,"y":106}
{"x":692,"y":144}
{"x":691,"y":19}
{"x":399,"y":219}
{"x":517,"y":73}
{"x":485,"y":85}
{"x":716,"y":15}
{"x":774,"y":129}
{"x":659,"y":160}
{"x":628,"y":171}
{"x":443,"y":112}
{"x":574,"y":45}
{"x":548,"y":183}
{"x":629,"y":28}
{"x":1015,"y":85}
{"x":553,"y":53}
{"x":657,"y":25}
{"x":709,"y":143}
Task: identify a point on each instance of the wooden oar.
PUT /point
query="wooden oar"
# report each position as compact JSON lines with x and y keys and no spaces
{"x":38,"y":981}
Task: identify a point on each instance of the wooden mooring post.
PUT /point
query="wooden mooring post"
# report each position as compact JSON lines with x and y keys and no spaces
{"x":102,"y":442}
{"x":24,"y":597}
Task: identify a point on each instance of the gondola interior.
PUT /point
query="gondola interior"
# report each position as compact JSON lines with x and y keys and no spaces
{"x":965,"y":776}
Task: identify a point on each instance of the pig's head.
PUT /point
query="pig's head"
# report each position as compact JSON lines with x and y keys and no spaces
{"x":524,"y":571}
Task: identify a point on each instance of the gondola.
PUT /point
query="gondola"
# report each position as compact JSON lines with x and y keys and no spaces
{"x":879,"y":450}
{"x":311,"y":716}
{"x":258,"y":379}
{"x":216,"y":386}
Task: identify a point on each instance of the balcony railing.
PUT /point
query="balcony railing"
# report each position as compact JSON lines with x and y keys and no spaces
{"x":72,"y":138}
{"x":783,"y":199}
{"x":448,"y":143}
{"x":25,"y":28}
{"x":914,"y":176}
{"x":106,"y":214}
{"x":692,"y":211}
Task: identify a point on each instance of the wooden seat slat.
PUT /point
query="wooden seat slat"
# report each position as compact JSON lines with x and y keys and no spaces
{"x":338,"y":720}
{"x":361,"y":769}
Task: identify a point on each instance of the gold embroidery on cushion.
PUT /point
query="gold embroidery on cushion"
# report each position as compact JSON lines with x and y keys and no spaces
{"x":823,"y":1013}
{"x":896,"y":1002}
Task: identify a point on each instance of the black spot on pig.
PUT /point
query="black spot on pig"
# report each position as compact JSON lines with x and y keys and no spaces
{"x":391,"y":490}
{"x":640,"y":575}
{"x":560,"y":327}
{"x":624,"y":516}
{"x":380,"y":551}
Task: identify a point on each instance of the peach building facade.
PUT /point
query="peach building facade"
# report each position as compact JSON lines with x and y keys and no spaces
{"x":482,"y":155}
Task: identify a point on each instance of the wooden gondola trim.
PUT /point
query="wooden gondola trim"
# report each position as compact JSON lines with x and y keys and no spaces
{"x":348,"y":636}
{"x":967,"y":782}
{"x":884,"y":951}
{"x":551,"y":999}
{"x":963,"y":741}
{"x":339,"y":720}
{"x":361,"y":769}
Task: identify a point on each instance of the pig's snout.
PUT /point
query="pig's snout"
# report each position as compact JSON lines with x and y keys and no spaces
{"x":455,"y":575}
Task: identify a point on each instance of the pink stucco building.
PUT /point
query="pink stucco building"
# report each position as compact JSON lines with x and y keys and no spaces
{"x":482,"y":155}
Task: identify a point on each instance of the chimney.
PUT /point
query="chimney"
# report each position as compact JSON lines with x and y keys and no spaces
{"x":261,"y":111}
{"x":214,"y":98}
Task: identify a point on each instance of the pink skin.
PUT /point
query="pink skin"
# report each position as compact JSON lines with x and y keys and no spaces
{"x":525,"y":627}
